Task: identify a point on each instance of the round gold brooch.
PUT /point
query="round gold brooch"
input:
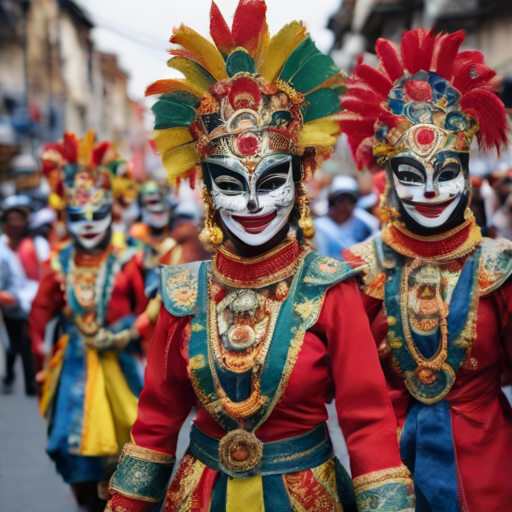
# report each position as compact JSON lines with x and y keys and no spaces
{"x":240,"y":453}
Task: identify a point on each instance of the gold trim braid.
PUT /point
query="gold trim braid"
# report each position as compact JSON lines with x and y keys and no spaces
{"x":378,"y":477}
{"x":138,"y":452}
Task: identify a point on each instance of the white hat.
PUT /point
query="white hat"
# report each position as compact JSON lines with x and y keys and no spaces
{"x":344,"y":185}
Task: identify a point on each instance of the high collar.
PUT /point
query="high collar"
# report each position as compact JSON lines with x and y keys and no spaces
{"x":82,"y":259}
{"x":456,"y":243}
{"x":259,"y":271}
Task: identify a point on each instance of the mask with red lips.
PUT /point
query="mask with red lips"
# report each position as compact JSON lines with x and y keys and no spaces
{"x":432,"y":196}
{"x":417,"y":116}
{"x":253,"y":207}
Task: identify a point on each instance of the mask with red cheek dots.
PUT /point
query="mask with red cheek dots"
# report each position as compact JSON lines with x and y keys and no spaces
{"x":431,"y":193}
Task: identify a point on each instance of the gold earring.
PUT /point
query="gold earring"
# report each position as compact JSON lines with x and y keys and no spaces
{"x":305,"y":221}
{"x":211,"y":236}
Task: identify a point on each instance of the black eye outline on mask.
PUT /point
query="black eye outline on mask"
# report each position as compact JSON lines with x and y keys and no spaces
{"x":414,"y":175}
{"x":80,"y":215}
{"x":274,"y":177}
{"x":448,"y":167}
{"x":229,"y":181}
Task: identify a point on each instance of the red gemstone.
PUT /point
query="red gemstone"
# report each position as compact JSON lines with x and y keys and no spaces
{"x":425,"y":136}
{"x":417,"y":90}
{"x":248,"y":144}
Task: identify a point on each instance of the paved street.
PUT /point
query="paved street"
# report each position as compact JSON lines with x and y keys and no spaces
{"x":28,"y":480}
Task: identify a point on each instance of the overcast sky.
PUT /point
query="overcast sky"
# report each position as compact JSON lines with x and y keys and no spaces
{"x":139,"y":30}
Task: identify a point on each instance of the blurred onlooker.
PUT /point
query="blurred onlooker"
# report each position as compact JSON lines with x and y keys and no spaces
{"x":502,"y":220}
{"x":28,"y":181}
{"x":32,"y":252}
{"x":344,"y":224}
{"x":16,"y":296}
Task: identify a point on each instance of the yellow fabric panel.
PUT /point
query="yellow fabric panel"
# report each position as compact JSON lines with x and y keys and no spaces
{"x":98,"y":436}
{"x":85,"y":148}
{"x":245,"y":494}
{"x":173,"y":84}
{"x":192,"y":74}
{"x":53,"y":374}
{"x":171,"y":138}
{"x":178,"y":161}
{"x":280,"y":48}
{"x":202,"y":50}
{"x":123,"y":403}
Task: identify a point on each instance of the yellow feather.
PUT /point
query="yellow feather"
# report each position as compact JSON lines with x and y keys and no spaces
{"x":192,"y":74}
{"x":178,"y":161}
{"x":173,"y":84}
{"x":263,"y":42}
{"x":203,"y":51}
{"x":170,"y":138}
{"x":85,"y":148}
{"x":280,"y":48}
{"x":319,"y":133}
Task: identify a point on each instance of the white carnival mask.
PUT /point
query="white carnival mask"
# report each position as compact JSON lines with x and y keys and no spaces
{"x":89,"y":227}
{"x":253,"y":206}
{"x":430,"y":191}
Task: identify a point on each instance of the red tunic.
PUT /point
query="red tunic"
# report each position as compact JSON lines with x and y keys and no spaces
{"x":481,"y":414}
{"x":127,"y":298}
{"x":337,"y":358}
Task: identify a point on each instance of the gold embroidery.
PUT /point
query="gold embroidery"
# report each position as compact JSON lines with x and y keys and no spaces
{"x":138,"y":452}
{"x":378,"y":477}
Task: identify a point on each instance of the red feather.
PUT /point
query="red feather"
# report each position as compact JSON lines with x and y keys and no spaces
{"x":361,"y":107}
{"x":99,"y":152}
{"x":248,"y":23}
{"x":70,"y":147}
{"x":416,"y":50}
{"x":220,"y":32}
{"x":389,"y":59}
{"x":377,"y":81}
{"x":470,"y":76}
{"x":362,"y":93}
{"x":489,"y":111}
{"x":445,"y":53}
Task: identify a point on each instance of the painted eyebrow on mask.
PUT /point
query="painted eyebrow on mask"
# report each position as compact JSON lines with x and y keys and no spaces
{"x":407,"y":160}
{"x":279,"y":168}
{"x":217,"y":170}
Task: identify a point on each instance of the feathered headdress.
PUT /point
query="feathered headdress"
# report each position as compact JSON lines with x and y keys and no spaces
{"x":246,"y":94}
{"x":426,"y":99}
{"x":73,"y":170}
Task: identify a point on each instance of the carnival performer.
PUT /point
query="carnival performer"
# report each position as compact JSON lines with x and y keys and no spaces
{"x":267,"y":332}
{"x":438,"y":294}
{"x":89,"y":381}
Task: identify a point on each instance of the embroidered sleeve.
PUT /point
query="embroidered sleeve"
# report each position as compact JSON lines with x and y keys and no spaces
{"x":391,"y":490}
{"x":142,"y":474}
{"x":364,"y":257}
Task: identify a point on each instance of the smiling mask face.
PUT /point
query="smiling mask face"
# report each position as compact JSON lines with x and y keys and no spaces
{"x":255,"y":206}
{"x":89,"y":227}
{"x":431,"y":193}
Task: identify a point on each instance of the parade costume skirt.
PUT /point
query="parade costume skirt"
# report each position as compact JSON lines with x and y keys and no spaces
{"x":299,"y":473}
{"x":90,"y":399}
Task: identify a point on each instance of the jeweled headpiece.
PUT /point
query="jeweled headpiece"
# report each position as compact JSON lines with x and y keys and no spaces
{"x":73,"y":170}
{"x":427,"y":99}
{"x":246,"y":95}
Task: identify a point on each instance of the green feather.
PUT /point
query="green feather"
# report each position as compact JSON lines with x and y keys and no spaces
{"x":239,"y":61}
{"x":320,"y":103}
{"x":298,"y":58}
{"x":313,"y":73}
{"x":175,"y":109}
